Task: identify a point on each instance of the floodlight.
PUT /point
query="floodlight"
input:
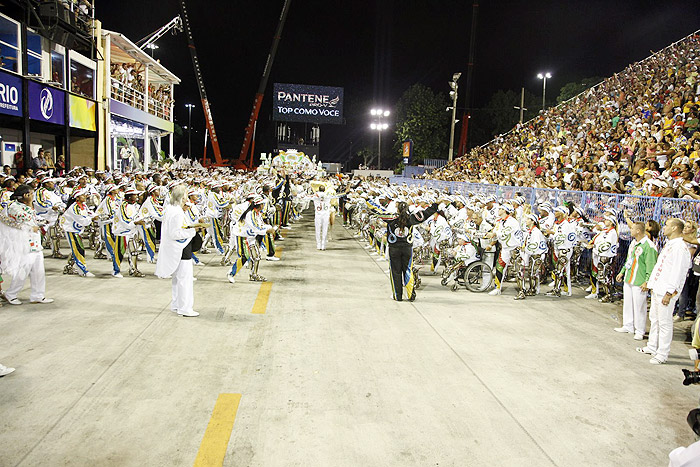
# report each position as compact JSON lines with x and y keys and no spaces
{"x":386,"y":113}
{"x":373,"y":126}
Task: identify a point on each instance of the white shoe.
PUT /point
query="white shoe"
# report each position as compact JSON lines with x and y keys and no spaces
{"x":191,"y":314}
{"x":87,"y":274}
{"x":495,"y":291}
{"x":14,"y":301}
{"x":199,"y":264}
{"x":656,"y":361}
{"x":5,"y":370}
{"x":639,"y":337}
{"x":677,"y":318}
{"x":287,"y":227}
{"x":589,"y":289}
{"x":118,"y":275}
{"x":272,"y":258}
{"x":645,"y":350}
{"x":230,"y":278}
{"x":622,"y":330}
{"x":592,"y":296}
{"x":43,"y":300}
{"x":194,"y":279}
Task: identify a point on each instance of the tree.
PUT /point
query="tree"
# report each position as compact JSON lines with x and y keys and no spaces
{"x":574,"y":88}
{"x":421,"y":117}
{"x":500,"y":115}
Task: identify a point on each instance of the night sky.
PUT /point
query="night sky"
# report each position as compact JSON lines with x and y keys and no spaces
{"x":377,"y":49}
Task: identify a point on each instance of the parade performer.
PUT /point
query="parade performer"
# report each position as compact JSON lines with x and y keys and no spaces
{"x":269,"y":210}
{"x":105,"y":217}
{"x":175,"y":257}
{"x":75,"y":219}
{"x":563,"y":239}
{"x":507,"y":232}
{"x":49,"y":206}
{"x":216,"y":203}
{"x":127,"y":220}
{"x":532,"y":255}
{"x":253,"y":226}
{"x":21,"y":252}
{"x":322,"y":207}
{"x":237,"y":239}
{"x":604,"y":246}
{"x":400,"y":239}
{"x":151,"y":211}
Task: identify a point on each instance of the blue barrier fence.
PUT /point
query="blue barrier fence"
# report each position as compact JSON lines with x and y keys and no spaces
{"x":593,"y":203}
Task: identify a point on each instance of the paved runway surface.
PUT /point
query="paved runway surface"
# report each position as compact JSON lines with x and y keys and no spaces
{"x":330,"y":372}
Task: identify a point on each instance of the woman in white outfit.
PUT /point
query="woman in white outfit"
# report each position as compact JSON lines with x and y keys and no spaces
{"x":21,"y":253}
{"x":175,"y":255}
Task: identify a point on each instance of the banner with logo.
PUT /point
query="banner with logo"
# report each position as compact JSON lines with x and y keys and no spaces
{"x":407,"y":150}
{"x":46,"y":104}
{"x":10,"y":94}
{"x":82,"y":113}
{"x":301,"y":103}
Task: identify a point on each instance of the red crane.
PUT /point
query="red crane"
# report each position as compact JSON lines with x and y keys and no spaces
{"x":245,"y":159}
{"x":218,"y":160}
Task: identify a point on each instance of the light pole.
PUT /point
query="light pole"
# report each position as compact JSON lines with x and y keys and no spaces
{"x":453,"y":94}
{"x":377,"y":125}
{"x":152,"y":47}
{"x":189,"y":130}
{"x":544,"y":77}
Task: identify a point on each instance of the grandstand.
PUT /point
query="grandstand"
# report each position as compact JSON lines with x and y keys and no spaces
{"x":634,"y":133}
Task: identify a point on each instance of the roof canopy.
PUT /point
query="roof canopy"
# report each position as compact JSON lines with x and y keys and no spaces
{"x":122,"y":50}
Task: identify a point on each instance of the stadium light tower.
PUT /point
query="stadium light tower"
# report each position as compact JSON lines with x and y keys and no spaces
{"x":379,"y":126}
{"x":453,"y":94}
{"x":544,"y":77}
{"x":189,"y":130}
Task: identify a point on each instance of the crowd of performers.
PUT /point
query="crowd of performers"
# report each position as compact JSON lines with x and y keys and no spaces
{"x":559,"y":245}
{"x":242,"y":215}
{"x":119,"y":216}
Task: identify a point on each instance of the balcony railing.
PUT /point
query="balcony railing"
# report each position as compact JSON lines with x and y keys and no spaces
{"x":130,"y":96}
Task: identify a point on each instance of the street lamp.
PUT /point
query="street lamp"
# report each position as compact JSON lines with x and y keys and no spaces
{"x":152,"y":47}
{"x":189,"y":130}
{"x":544,"y":77}
{"x":378,"y":126}
{"x":453,"y":94}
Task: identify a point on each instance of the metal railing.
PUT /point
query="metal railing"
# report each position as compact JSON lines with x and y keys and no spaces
{"x":593,"y":203}
{"x":130,"y":96}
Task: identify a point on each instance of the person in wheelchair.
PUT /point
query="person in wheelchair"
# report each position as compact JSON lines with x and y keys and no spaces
{"x":532,"y":255}
{"x":460,"y":256}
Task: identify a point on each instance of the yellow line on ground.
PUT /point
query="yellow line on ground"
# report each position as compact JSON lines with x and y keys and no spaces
{"x":260,"y":304}
{"x":215,"y":442}
{"x":278,"y":251}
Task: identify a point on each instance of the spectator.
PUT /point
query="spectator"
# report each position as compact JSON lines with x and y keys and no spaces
{"x":665,"y":283}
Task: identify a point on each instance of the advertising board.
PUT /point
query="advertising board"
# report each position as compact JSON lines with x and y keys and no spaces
{"x":46,"y":104}
{"x":82,"y":113}
{"x":10,"y":94}
{"x":302,"y":103}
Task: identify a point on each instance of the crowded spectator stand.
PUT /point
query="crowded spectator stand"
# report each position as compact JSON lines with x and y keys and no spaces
{"x":634,"y":133}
